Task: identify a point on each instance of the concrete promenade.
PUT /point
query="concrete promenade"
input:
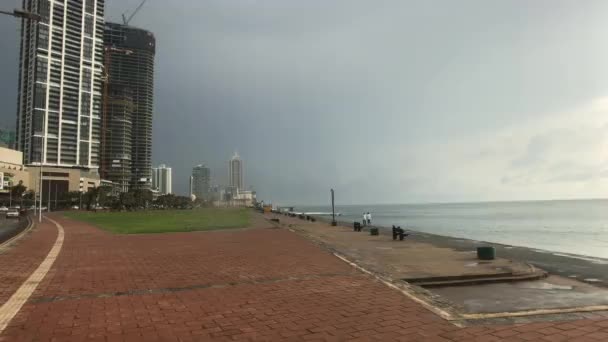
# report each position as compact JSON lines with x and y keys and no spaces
{"x":262,"y":283}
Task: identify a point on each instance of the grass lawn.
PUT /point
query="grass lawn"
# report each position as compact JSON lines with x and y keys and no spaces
{"x":164,"y":221}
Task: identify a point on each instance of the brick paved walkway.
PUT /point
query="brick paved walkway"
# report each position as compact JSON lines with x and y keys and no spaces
{"x":256,"y":284}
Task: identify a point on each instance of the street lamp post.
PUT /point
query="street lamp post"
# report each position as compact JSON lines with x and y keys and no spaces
{"x":333,"y":210}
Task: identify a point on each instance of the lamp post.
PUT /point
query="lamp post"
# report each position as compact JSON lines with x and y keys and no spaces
{"x":333,"y":210}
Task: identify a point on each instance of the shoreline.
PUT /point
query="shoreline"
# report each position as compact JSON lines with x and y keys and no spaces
{"x":591,"y":270}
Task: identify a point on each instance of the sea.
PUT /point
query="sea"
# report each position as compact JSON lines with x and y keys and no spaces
{"x":577,"y":227}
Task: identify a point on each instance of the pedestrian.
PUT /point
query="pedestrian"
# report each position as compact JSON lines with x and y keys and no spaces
{"x":364,"y":219}
{"x":369,"y":219}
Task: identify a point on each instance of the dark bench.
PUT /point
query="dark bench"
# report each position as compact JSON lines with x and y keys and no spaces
{"x":399,"y":232}
{"x":357,"y":226}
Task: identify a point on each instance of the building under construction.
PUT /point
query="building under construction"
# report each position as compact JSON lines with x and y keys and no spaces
{"x":117,"y":137}
{"x":129,"y":64}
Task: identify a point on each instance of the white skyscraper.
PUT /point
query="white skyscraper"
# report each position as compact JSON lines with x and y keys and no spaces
{"x":161,"y":179}
{"x":235,"y":167}
{"x":60,"y":83}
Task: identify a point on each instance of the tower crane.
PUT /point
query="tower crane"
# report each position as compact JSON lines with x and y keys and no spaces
{"x":126,"y":20}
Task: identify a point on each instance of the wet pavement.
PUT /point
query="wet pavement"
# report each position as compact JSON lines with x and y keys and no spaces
{"x":587,"y":269}
{"x":553,"y":292}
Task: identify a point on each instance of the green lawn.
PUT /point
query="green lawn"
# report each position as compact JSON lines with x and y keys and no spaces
{"x":164,"y":221}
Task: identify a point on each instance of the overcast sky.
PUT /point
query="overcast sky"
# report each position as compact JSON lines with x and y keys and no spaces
{"x":386,"y":101}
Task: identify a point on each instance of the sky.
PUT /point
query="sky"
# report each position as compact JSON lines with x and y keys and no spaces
{"x":386,"y":101}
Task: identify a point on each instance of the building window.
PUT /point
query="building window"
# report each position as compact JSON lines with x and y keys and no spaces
{"x":38,"y":122}
{"x":88,"y":25}
{"x":84,"y":153}
{"x":84,"y":128}
{"x":87,"y":49}
{"x":85,"y":104}
{"x":43,"y":37}
{"x":40,"y":96}
{"x":41,"y":69}
{"x":44,"y":9}
{"x":86,"y":79}
{"x":55,"y":174}
{"x":90,"y":6}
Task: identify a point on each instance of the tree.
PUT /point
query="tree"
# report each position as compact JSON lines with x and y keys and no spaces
{"x":17,"y":191}
{"x":127,"y":200}
{"x":105,"y":198}
{"x":142,"y":197}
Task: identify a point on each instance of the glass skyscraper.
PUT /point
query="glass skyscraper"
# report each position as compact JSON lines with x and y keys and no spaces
{"x":60,"y":83}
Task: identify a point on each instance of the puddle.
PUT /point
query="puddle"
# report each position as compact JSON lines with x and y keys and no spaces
{"x":592,"y":280}
{"x":473,"y":264}
{"x":546,"y":286}
{"x":384,"y":247}
{"x":592,"y":260}
{"x":573,"y":276}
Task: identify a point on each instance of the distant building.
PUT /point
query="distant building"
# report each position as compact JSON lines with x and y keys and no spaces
{"x":129,"y":53}
{"x":201,"y":179}
{"x":60,"y":84}
{"x":235,"y":169}
{"x":161,"y":179}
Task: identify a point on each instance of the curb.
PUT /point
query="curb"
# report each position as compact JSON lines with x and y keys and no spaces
{"x":9,"y":242}
{"x":477,"y":279}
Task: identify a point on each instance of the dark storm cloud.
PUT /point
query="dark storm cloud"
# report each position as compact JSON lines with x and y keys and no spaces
{"x":384,"y":100}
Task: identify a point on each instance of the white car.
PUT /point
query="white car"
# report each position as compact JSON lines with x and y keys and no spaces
{"x":3,"y":209}
{"x":12,"y":214}
{"x":75,"y":207}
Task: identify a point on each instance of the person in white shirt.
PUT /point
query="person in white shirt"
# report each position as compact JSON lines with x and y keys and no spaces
{"x":364,"y":219}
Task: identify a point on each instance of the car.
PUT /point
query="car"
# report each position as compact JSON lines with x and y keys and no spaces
{"x":3,"y":209}
{"x":75,"y":207}
{"x":12,"y":214}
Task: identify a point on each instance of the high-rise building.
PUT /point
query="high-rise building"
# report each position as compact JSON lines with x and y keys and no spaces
{"x":235,"y":168}
{"x":116,"y":138}
{"x":60,"y":90}
{"x":161,"y":179}
{"x":201,"y":178}
{"x":130,"y":63}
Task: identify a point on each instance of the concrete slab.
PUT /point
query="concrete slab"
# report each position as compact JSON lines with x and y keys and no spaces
{"x":554,"y":292}
{"x":406,"y":259}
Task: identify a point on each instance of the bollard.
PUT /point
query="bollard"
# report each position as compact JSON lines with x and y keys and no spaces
{"x":374,"y":231}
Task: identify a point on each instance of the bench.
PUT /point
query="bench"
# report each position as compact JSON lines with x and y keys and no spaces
{"x":399,"y":232}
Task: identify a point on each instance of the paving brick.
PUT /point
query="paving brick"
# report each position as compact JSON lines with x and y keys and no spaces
{"x":256,"y":284}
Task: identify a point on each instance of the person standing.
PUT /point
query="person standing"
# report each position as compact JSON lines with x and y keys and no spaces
{"x":369,"y":219}
{"x":364,"y":219}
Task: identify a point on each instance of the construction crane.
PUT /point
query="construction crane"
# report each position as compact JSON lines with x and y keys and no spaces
{"x":126,"y":20}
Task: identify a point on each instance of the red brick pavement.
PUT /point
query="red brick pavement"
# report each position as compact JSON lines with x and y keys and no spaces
{"x":17,"y":263}
{"x":258,"y":284}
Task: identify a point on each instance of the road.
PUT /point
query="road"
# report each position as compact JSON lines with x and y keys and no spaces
{"x":9,"y":227}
